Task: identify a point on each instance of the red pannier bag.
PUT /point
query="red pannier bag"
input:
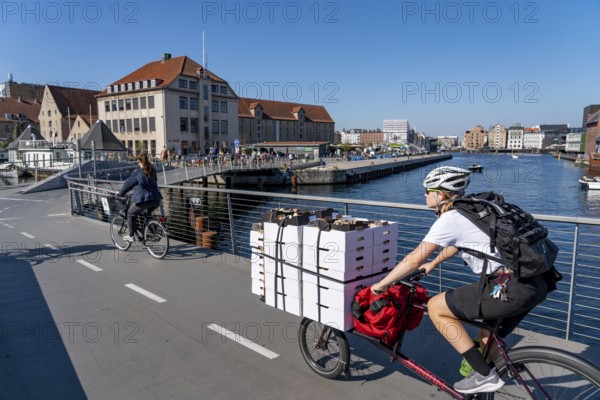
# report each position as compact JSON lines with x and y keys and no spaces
{"x":384,"y":316}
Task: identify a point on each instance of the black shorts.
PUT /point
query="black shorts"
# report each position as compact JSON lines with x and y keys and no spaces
{"x":522,"y":295}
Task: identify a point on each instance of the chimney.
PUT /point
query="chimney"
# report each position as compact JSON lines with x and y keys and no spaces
{"x":166,"y":57}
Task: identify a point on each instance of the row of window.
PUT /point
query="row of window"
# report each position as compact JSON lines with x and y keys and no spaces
{"x":134,"y":103}
{"x":193,"y":125}
{"x":185,"y":84}
{"x":223,"y":125}
{"x":143,"y":125}
{"x":183,"y":103}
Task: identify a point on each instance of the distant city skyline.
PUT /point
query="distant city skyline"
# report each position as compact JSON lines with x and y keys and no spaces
{"x":444,"y":66}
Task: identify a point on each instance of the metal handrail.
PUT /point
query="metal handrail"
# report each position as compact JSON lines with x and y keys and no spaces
{"x":238,"y":209}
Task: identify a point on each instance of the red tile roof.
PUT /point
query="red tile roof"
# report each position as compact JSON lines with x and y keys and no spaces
{"x":74,"y":101}
{"x":13,"y":106}
{"x":280,"y":110}
{"x":165,"y":72}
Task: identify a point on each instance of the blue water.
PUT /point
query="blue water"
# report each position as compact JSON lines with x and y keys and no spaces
{"x":540,"y":184}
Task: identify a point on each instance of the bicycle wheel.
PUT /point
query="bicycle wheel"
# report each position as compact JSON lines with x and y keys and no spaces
{"x":118,"y":229}
{"x":324,"y":349}
{"x":548,"y":374}
{"x":156,"y":239}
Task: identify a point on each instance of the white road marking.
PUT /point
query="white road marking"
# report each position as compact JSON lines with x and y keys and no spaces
{"x":146,"y":293}
{"x":7,"y":208}
{"x":58,"y":215}
{"x":33,"y":201}
{"x":243,"y":341}
{"x":51,"y":247}
{"x":88,"y":265}
{"x":27,"y":235}
{"x":8,"y":226}
{"x":10,"y":219}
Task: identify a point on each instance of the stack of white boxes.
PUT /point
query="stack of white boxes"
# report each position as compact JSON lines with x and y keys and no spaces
{"x":320,"y":284}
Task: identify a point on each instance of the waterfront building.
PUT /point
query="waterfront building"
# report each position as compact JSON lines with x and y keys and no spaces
{"x":447,"y":142}
{"x":279,"y":121}
{"x":368,"y":138}
{"x":575,"y":142}
{"x":535,"y":139}
{"x":172,"y":102}
{"x":592,"y":141}
{"x":81,"y":125}
{"x":26,"y":91}
{"x":555,"y":134}
{"x":475,"y":139}
{"x":396,"y":131}
{"x":32,"y":150}
{"x":515,"y":137}
{"x":496,"y":137}
{"x":351,"y":137}
{"x":17,"y":112}
{"x":60,"y":107}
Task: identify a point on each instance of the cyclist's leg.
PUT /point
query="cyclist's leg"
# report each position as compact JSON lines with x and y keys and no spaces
{"x":134,"y":211}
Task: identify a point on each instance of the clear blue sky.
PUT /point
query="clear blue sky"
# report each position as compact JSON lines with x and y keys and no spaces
{"x":444,"y":66}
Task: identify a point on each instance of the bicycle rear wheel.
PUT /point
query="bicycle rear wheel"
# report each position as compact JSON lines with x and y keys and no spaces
{"x":118,"y":229}
{"x":548,"y":374}
{"x":324,"y":349}
{"x":156,"y":239}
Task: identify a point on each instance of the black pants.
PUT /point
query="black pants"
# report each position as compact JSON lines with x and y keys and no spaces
{"x":138,"y":209}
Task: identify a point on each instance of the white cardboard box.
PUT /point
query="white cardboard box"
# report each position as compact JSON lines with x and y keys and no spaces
{"x":338,"y":319}
{"x":337,"y":260}
{"x":284,"y":302}
{"x":290,"y":234}
{"x":350,"y":273}
{"x":338,"y":240}
{"x":291,"y":285}
{"x":289,"y":252}
{"x":385,"y":253}
{"x":258,"y":286}
{"x":385,"y":234}
{"x":332,"y":294}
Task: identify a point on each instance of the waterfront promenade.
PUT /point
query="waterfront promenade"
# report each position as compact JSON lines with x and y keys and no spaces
{"x":76,"y":323}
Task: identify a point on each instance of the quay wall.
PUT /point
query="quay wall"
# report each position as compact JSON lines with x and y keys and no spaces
{"x":362,"y":171}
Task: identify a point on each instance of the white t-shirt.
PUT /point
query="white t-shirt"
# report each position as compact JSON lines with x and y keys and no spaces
{"x":453,"y":229}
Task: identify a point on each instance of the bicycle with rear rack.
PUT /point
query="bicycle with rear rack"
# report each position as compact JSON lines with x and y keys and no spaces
{"x":152,"y":232}
{"x":529,"y":372}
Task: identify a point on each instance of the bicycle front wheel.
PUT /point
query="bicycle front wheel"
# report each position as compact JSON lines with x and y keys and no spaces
{"x":118,"y":229}
{"x":548,"y":374}
{"x":156,"y":239}
{"x":324,"y":349}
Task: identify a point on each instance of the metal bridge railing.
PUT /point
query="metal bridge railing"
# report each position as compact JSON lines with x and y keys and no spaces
{"x":571,"y":312}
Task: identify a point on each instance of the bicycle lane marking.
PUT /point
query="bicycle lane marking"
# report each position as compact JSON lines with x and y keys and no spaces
{"x":146,"y":293}
{"x":243,"y":341}
{"x":27,"y":235}
{"x":90,"y":266}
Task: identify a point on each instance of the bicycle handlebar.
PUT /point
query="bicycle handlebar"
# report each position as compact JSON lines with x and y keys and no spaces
{"x":411,"y":279}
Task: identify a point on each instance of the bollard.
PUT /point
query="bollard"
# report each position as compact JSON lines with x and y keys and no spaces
{"x":201,"y":227}
{"x":209,"y":239}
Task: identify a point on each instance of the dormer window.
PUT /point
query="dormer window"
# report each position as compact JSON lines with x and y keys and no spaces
{"x":153,"y":83}
{"x":137,"y":85}
{"x":145,"y":84}
{"x":109,"y":89}
{"x":116,"y":88}
{"x":122,"y":87}
{"x":130,"y":86}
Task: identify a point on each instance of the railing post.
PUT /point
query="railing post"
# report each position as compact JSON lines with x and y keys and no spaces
{"x":164,"y":173}
{"x":346,"y":209}
{"x":572,"y":285}
{"x":231,"y":225}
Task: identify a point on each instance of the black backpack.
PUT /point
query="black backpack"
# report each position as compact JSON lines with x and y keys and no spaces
{"x":521,"y":240}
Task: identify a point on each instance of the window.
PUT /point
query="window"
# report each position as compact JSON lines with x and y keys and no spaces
{"x":136,"y":125}
{"x":183,"y":125}
{"x":224,"y":127}
{"x":193,"y":85}
{"x":152,"y":123}
{"x":113,"y":105}
{"x":215,"y":106}
{"x":194,"y":125}
{"x":205,"y":92}
{"x":129,"y":125}
{"x":136,"y":103}
{"x":223,"y":89}
{"x":142,"y":103}
{"x":128,"y":104}
{"x":115,"y":125}
{"x":224,"y":107}
{"x":183,"y":84}
{"x":107,"y":106}
{"x":214,"y":88}
{"x":205,"y":113}
{"x":150,"y":101}
{"x":193,"y":103}
{"x":183,"y":103}
{"x":121,"y":105}
{"x":49,"y":113}
{"x":144,"y":125}
{"x":215,"y":126}
{"x":122,"y":126}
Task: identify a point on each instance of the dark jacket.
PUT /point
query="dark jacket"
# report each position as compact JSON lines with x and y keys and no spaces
{"x":144,"y":188}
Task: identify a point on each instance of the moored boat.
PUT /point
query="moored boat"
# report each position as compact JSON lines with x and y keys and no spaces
{"x":475,"y":167}
{"x":590,"y":183}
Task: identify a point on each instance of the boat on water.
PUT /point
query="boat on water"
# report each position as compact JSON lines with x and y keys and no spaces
{"x":590,"y":183}
{"x":475,"y":167}
{"x":514,"y":156}
{"x":10,"y":170}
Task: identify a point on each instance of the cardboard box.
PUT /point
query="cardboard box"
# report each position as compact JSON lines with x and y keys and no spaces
{"x":284,"y":302}
{"x":385,"y":253}
{"x":341,"y":241}
{"x":291,"y":234}
{"x":347,"y":275}
{"x":332,"y":294}
{"x":385,"y":234}
{"x":335,"y":259}
{"x":258,"y":286}
{"x":287,"y":285}
{"x":338,"y":319}
{"x":289,"y":252}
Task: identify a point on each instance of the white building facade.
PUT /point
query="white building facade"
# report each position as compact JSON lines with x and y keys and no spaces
{"x":396,"y":130}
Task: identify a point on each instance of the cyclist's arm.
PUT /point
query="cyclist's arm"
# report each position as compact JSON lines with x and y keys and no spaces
{"x":411,"y":262}
{"x":444,"y":254}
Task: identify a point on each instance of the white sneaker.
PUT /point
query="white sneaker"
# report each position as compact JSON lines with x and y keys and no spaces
{"x":476,"y":383}
{"x":128,"y":238}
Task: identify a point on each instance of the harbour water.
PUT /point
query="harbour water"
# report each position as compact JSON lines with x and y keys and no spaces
{"x":540,"y":184}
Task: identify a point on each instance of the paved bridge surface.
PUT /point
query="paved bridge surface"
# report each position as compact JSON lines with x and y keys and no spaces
{"x":81,"y":320}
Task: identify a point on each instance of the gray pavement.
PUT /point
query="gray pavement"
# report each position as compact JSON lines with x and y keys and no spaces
{"x":70,"y":328}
